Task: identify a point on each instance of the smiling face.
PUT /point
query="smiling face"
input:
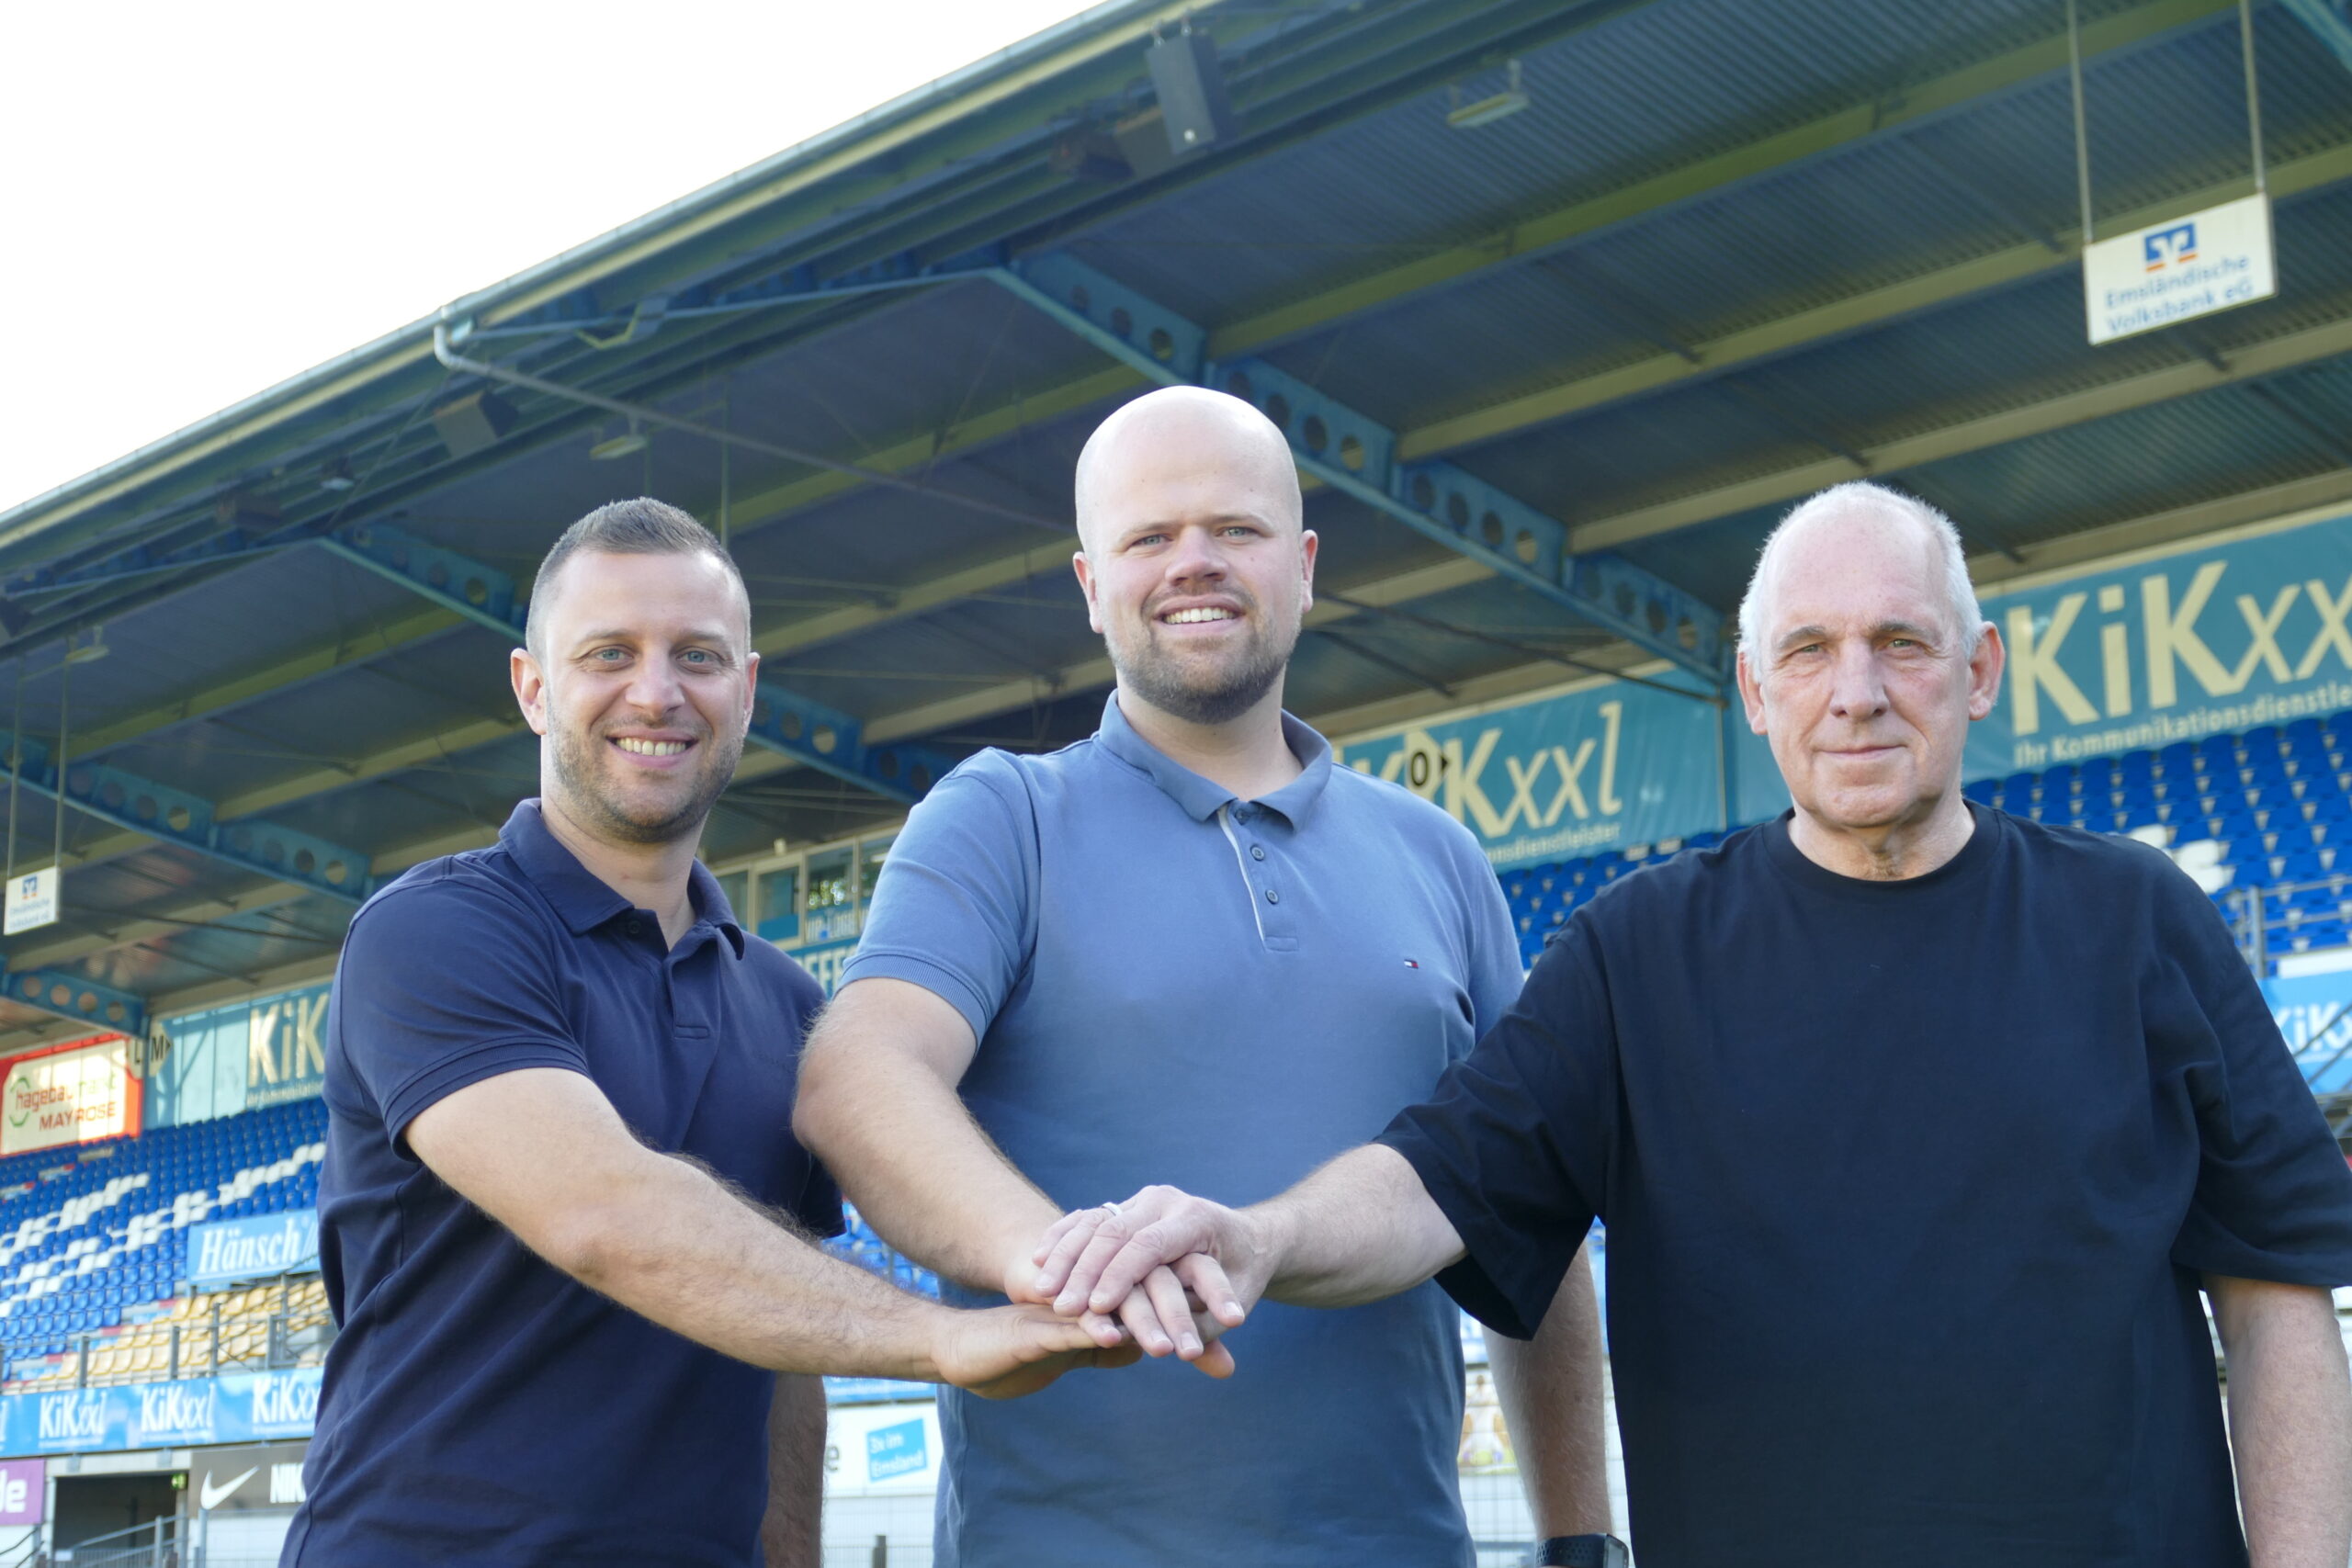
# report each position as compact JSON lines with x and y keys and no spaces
{"x":1859,"y":677}
{"x":1196,"y":568}
{"x":639,"y":677}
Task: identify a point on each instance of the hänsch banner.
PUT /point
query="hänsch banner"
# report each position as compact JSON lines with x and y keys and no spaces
{"x":261,"y":1246}
{"x":239,"y":1407}
{"x":1573,"y":771}
{"x":2174,"y":644}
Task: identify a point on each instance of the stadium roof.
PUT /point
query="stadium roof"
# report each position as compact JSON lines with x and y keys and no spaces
{"x":1561,"y":303}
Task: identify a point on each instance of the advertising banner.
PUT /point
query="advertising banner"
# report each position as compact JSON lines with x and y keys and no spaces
{"x":32,"y":901}
{"x":286,"y":1057}
{"x":872,"y":1449}
{"x":238,"y":1481}
{"x":1573,"y":771}
{"x":24,"y":1491}
{"x":823,"y":960}
{"x":258,"y":1247}
{"x":2172,"y":644}
{"x":68,"y":1097}
{"x":237,"y":1407}
{"x":2179,"y":270}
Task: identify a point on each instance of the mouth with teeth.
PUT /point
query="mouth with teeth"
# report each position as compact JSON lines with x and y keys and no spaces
{"x":637,"y":747}
{"x":1194,"y":617}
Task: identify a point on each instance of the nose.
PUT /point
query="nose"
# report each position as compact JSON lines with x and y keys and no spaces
{"x":1858,"y":693}
{"x":1198,"y":558}
{"x":654,"y":688}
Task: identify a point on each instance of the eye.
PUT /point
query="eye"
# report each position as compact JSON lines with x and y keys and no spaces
{"x":608,"y":655}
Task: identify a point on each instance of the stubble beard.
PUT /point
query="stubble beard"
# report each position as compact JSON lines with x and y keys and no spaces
{"x":1215,"y":694}
{"x":579,"y":770}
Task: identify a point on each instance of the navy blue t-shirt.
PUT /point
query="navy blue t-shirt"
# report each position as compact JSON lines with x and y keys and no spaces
{"x":1908,"y":1187}
{"x":481,"y":1407}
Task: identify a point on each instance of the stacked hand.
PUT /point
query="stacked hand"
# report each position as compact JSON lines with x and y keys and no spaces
{"x":1176,"y":1269}
{"x":1005,"y":1352}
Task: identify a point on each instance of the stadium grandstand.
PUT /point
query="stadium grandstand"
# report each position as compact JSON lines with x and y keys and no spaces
{"x":1560,"y":302}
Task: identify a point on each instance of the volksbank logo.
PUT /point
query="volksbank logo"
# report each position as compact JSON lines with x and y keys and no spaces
{"x":2289,"y":635}
{"x":2169,"y":247}
{"x":73,"y":1418}
{"x":175,"y":1410}
{"x":285,"y":1399}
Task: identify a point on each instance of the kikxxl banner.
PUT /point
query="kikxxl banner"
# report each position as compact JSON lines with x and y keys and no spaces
{"x":2171,"y":643}
{"x":1593,"y":766}
{"x":238,"y":1407}
{"x":68,"y":1097}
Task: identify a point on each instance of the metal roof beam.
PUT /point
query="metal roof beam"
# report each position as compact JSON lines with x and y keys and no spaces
{"x":783,"y":720}
{"x":139,"y":929}
{"x":151,"y":812}
{"x":2245,"y":363}
{"x":79,"y":999}
{"x":1355,"y":455}
{"x":2331,"y":22}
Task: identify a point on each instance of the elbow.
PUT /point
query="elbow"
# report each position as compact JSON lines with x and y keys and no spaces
{"x":814,"y":1101}
{"x":589,"y":1242}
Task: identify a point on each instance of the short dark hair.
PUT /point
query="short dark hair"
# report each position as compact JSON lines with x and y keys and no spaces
{"x":641,"y":526}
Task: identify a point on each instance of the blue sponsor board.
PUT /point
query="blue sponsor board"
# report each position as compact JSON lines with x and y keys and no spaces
{"x":237,"y":1407}
{"x":2314,"y":1012}
{"x":874,"y":1391}
{"x":2173,"y":644}
{"x":1589,"y":768}
{"x":258,"y":1247}
{"x":900,"y":1448}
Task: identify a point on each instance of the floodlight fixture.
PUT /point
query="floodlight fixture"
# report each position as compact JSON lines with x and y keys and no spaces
{"x":336,"y":474}
{"x":628,"y":442}
{"x":1486,"y":112}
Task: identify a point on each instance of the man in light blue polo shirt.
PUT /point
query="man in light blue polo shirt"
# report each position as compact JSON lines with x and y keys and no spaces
{"x":1187,"y":950}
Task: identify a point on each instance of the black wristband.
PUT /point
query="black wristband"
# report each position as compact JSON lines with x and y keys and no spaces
{"x":1583,"y":1551}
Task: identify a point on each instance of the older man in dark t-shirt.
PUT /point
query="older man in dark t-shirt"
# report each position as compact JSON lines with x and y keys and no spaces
{"x":564,"y":1226}
{"x":1917,"y":1129}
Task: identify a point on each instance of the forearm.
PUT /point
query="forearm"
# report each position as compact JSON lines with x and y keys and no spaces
{"x":792,"y":1525}
{"x":1360,"y":1229}
{"x":1553,"y":1403}
{"x":2290,"y":1423}
{"x":667,"y":1240}
{"x":922,"y":1172}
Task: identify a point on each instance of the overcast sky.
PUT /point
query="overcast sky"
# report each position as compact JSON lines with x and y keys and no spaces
{"x":199,"y":201}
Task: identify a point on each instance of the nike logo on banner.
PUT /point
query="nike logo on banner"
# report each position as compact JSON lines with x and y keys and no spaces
{"x":210,"y":1496}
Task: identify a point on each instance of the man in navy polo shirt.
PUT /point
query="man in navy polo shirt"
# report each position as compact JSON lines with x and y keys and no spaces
{"x":1191,"y":949}
{"x":564,"y":1228}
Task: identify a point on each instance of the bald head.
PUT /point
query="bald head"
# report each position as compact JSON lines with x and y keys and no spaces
{"x":1183,"y":442}
{"x":1854,"y":508}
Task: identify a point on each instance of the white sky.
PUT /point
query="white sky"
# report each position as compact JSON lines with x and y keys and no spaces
{"x":199,"y":201}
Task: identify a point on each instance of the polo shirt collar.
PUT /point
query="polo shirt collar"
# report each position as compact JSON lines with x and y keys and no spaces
{"x":1200,"y":798}
{"x":583,"y":900}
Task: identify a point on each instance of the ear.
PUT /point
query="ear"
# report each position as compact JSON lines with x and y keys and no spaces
{"x":530,"y":683}
{"x":1751,"y":695}
{"x":1984,"y":667}
{"x":1085,"y":569}
{"x":1307,"y":545}
{"x":750,"y":689}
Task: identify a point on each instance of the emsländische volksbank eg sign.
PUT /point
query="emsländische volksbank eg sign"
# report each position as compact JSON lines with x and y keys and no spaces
{"x":2179,"y":270}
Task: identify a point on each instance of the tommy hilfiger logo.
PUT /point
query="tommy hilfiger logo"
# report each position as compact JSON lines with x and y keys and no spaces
{"x":1412,"y":964}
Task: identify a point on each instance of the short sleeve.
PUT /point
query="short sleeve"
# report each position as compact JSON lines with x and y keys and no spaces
{"x":2273,"y":1199}
{"x":442,"y":985}
{"x":954,"y":911}
{"x":1517,"y":1141}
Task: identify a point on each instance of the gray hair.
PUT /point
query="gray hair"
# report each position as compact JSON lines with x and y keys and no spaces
{"x":1863,"y":495}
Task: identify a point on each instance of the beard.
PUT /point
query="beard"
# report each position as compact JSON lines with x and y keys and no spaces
{"x":592,"y":797}
{"x":1201,"y":691}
